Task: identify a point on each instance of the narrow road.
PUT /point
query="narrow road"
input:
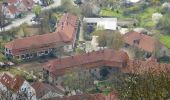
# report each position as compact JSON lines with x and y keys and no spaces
{"x":29,"y":16}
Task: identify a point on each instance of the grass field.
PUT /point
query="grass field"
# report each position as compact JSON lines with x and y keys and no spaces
{"x":111,"y":13}
{"x":146,"y":17}
{"x":165,"y":39}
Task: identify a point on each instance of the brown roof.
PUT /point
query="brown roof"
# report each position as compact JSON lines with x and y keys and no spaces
{"x":36,"y":41}
{"x":97,"y":96}
{"x":59,"y":37}
{"x":105,"y":57}
{"x":146,"y":42}
{"x":140,"y":67}
{"x":6,"y":80}
{"x":17,"y":82}
{"x":13,"y":84}
{"x":67,"y":27}
{"x":28,"y":3}
{"x":42,"y":89}
{"x":12,"y":9}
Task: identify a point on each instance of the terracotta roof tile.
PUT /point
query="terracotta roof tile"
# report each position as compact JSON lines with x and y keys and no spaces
{"x":17,"y":82}
{"x":12,"y":9}
{"x":107,"y":57}
{"x":58,"y":38}
{"x":36,"y":41}
{"x":28,"y":3}
{"x":139,"y":67}
{"x":13,"y":84}
{"x":42,"y":89}
{"x":146,"y":42}
{"x":66,"y":27}
{"x":6,"y":80}
{"x":85,"y":96}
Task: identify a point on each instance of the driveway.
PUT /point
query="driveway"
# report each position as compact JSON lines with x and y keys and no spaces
{"x":28,"y":18}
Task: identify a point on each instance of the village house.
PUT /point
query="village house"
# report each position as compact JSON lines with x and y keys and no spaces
{"x":145,"y":43}
{"x":25,"y":5}
{"x":16,"y":87}
{"x":102,"y":23}
{"x":87,"y":96}
{"x":39,"y":45}
{"x":142,"y":41}
{"x":89,"y":63}
{"x":13,"y":8}
{"x":46,"y":91}
{"x":10,"y":11}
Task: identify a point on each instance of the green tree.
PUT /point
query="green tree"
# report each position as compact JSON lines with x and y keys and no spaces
{"x":37,"y":10}
{"x":146,"y":87}
{"x":111,"y":39}
{"x":164,"y":24}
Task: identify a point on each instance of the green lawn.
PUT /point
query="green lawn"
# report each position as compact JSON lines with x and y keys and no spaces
{"x":165,"y":39}
{"x":146,"y":17}
{"x":112,"y":13}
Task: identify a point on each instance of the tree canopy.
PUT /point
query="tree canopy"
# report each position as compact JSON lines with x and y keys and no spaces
{"x":164,"y":24}
{"x":111,"y":39}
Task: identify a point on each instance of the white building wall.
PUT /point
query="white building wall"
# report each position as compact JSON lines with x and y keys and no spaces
{"x":110,"y":25}
{"x":26,"y":87}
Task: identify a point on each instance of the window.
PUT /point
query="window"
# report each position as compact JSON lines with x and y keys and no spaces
{"x":17,"y":57}
{"x":23,"y":56}
{"x":9,"y":51}
{"x":46,"y":52}
{"x":27,"y":55}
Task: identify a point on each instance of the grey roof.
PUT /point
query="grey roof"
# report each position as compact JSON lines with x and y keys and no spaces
{"x":95,"y":20}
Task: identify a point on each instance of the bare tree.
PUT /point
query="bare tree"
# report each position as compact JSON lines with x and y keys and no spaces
{"x":77,"y":79}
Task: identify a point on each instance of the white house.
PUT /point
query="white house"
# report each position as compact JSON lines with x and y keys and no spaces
{"x":102,"y":23}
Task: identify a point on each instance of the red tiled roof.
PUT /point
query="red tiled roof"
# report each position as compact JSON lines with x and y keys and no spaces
{"x":139,"y":67}
{"x":57,"y":38}
{"x":28,"y":3}
{"x":6,"y":80}
{"x":36,"y":41}
{"x":12,"y":9}
{"x":13,"y":84}
{"x":146,"y":42}
{"x":42,"y":89}
{"x":97,"y":96}
{"x":17,"y":83}
{"x":66,"y":27}
{"x":105,"y":57}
